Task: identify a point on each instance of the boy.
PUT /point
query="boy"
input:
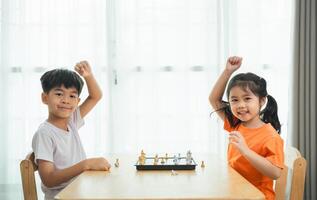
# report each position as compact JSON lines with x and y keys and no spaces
{"x":58,"y":151}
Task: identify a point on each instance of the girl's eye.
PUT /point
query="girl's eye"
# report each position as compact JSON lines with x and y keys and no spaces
{"x":248,"y":98}
{"x":234,"y":100}
{"x":73,"y":96}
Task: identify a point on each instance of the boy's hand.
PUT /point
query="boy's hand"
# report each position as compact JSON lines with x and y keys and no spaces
{"x":83,"y":68}
{"x":97,"y":164}
{"x":238,"y":141}
{"x":233,"y":63}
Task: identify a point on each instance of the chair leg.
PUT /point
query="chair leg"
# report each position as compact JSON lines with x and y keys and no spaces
{"x":298,"y":181}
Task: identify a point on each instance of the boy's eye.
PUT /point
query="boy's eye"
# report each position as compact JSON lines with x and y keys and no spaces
{"x":58,"y":94}
{"x":73,"y":96}
{"x":233,"y":100}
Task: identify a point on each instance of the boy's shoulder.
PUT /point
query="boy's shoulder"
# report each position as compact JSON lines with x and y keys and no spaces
{"x":44,"y":130}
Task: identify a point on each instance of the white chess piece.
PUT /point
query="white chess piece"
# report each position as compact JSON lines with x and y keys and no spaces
{"x":174,"y":173}
{"x":116,"y":164}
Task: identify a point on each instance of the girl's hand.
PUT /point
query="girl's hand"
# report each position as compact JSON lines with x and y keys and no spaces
{"x":238,"y":141}
{"x":233,"y":63}
{"x":83,"y":68}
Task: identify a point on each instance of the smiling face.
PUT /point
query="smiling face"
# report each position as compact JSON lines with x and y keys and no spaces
{"x":61,"y":101}
{"x":245,"y":106}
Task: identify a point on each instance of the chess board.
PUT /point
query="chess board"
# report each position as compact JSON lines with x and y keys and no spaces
{"x":170,"y":163}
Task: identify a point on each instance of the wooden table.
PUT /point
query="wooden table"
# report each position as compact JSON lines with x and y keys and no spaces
{"x":216,"y":181}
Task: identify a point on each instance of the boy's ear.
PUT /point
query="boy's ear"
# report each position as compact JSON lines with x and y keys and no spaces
{"x":44,"y":97}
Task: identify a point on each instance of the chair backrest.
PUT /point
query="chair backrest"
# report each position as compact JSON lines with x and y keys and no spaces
{"x":291,"y":183}
{"x":27,"y":169}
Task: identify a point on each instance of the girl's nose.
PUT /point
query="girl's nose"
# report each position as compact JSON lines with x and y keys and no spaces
{"x":241,"y":105}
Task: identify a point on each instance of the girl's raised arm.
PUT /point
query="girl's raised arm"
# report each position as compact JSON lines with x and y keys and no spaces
{"x":216,"y":94}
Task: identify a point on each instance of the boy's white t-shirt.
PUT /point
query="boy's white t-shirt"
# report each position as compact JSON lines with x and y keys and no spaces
{"x":63,"y":148}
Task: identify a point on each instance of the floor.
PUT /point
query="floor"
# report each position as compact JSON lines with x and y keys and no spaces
{"x":11,"y":192}
{"x":14,"y":192}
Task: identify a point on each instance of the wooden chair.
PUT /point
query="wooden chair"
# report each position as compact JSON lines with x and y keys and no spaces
{"x":291,"y":183}
{"x":28,"y":169}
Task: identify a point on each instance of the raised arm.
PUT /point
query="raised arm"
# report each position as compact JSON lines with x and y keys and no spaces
{"x":95,"y":93}
{"x":216,"y":94}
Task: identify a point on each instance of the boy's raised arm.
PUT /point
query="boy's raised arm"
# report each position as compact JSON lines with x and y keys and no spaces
{"x":216,"y":94}
{"x":95,"y":93}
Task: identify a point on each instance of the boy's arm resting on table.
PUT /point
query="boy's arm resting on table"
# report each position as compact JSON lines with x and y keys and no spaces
{"x":51,"y":176}
{"x":95,"y":93}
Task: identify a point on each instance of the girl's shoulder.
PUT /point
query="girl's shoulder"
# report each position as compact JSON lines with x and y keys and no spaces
{"x":271,"y":136}
{"x":271,"y":130}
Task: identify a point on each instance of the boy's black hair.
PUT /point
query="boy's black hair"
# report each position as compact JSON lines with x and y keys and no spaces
{"x":257,"y":85}
{"x":58,"y":77}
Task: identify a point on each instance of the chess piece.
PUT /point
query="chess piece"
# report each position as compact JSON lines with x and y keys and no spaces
{"x":174,"y":173}
{"x":141,"y":160}
{"x":189,"y":158}
{"x":202,"y":164}
{"x":116,"y":164}
{"x":156,"y":159}
{"x":175,"y":160}
{"x":142,"y":153}
{"x":162,"y":161}
{"x":166,"y":156}
{"x":179,"y":157}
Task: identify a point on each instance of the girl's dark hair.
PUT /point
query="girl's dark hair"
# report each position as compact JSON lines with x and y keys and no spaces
{"x":58,"y":77}
{"x":257,"y":85}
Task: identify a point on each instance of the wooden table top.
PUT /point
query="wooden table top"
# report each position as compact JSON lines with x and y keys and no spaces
{"x":216,"y":181}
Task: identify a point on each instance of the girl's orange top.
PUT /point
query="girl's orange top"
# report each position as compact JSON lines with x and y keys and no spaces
{"x":266,"y":142}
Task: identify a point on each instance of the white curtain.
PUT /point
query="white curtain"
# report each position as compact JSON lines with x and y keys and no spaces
{"x":156,"y":61}
{"x":38,"y":35}
{"x":167,"y":55}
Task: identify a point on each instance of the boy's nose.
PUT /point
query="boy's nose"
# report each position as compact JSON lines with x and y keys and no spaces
{"x":65,"y":100}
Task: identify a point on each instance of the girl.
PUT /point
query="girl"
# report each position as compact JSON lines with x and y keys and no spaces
{"x":255,"y":146}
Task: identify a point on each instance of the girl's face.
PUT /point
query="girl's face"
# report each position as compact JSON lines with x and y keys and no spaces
{"x":246,"y":106}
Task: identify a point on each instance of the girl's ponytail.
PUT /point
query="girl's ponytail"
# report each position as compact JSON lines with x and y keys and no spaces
{"x":269,"y":114}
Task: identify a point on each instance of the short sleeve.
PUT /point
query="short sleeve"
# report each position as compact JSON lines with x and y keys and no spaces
{"x":76,"y":119}
{"x":43,"y":146}
{"x":227,"y":125}
{"x":274,"y":151}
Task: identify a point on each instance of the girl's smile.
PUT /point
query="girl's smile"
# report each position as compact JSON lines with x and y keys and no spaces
{"x":245,"y":106}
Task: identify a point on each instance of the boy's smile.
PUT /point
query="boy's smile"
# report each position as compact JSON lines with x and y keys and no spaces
{"x":61,"y":102}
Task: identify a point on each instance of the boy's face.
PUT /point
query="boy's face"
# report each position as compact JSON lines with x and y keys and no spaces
{"x":61,"y":101}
